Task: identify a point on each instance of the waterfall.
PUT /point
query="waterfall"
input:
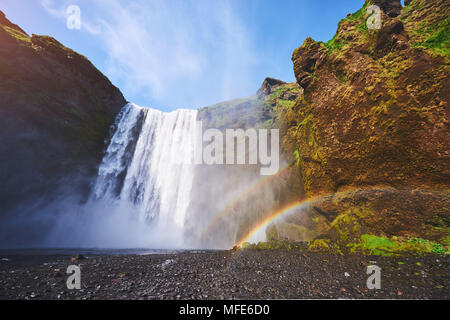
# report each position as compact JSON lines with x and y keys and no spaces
{"x":149,"y":193}
{"x":148,"y":167}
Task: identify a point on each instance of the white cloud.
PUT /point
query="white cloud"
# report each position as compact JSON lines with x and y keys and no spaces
{"x":178,"y":53}
{"x":149,"y":48}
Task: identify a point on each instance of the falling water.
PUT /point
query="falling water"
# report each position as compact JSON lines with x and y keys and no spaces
{"x":148,"y":167}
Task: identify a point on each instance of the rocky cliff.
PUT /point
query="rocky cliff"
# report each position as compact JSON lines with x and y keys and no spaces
{"x":370,"y":132}
{"x":56,"y":109}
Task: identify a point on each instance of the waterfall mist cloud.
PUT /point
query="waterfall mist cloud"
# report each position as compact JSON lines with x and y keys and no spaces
{"x":173,"y":53}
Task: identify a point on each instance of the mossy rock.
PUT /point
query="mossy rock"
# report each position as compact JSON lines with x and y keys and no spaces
{"x":395,"y":246}
{"x":319,"y":245}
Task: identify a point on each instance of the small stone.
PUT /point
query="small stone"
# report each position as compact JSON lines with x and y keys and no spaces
{"x":77,"y":257}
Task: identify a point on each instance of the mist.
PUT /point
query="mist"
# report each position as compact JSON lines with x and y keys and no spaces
{"x":147,"y":194}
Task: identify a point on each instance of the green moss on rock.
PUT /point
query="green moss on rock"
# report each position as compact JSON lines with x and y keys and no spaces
{"x":383,"y":246}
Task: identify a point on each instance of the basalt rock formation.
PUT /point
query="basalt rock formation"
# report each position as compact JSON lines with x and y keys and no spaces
{"x":56,"y":109}
{"x":373,"y":124}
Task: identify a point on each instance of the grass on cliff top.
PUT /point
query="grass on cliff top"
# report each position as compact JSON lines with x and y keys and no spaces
{"x":17,"y":34}
{"x":359,"y":16}
{"x":52,"y":42}
{"x":334,"y":44}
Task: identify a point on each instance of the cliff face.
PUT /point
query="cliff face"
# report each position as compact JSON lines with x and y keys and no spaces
{"x":56,"y":109}
{"x":374,"y":116}
{"x":376,"y":103}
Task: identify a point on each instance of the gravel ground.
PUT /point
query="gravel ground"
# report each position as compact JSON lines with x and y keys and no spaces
{"x":244,"y":274}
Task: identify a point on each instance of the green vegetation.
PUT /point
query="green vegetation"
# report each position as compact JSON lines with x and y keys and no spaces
{"x":439,"y":249}
{"x":436,"y":37}
{"x":334,"y":44}
{"x":380,"y":246}
{"x":413,"y":5}
{"x":50,"y":42}
{"x":374,"y":245}
{"x":432,"y":33}
{"x":337,"y":43}
{"x":273,"y":245}
{"x":17,"y":34}
{"x":297,"y":158}
{"x":383,"y":246}
{"x":319,"y":245}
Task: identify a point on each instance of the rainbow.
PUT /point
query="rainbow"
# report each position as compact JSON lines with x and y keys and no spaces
{"x":236,"y":199}
{"x":295,"y":206}
{"x":285,"y":210}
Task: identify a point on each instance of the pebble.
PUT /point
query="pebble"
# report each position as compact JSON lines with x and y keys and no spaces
{"x":249,"y":274}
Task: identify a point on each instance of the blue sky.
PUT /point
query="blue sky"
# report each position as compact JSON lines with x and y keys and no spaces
{"x":169,"y":54}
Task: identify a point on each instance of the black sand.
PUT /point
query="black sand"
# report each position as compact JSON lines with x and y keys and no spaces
{"x":245,"y":274}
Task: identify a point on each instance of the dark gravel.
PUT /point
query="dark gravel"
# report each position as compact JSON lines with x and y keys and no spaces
{"x":245,"y":274}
